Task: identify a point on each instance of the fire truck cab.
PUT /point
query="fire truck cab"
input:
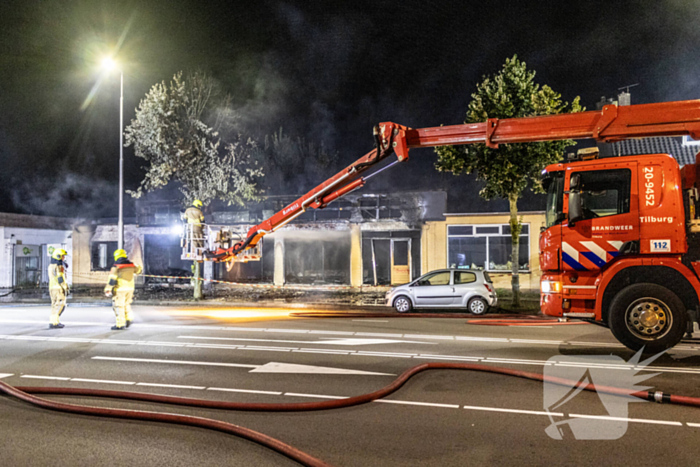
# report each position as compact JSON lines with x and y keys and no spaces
{"x":615,"y":248}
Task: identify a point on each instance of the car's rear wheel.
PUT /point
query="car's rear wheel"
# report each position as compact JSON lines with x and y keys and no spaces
{"x":477,"y":306}
{"x":403,"y":304}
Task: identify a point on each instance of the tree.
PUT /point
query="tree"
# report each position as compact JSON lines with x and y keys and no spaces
{"x":171,"y":132}
{"x":509,"y":169}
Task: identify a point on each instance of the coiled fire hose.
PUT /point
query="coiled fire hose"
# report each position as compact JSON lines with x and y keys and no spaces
{"x":24,"y":393}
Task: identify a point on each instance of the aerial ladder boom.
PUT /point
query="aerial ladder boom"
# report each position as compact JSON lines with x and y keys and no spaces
{"x":612,"y":123}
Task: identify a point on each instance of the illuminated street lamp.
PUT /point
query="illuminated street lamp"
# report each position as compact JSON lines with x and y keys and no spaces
{"x":109,"y":64}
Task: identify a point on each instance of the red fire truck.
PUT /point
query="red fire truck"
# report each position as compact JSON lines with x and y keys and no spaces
{"x":621,"y":244}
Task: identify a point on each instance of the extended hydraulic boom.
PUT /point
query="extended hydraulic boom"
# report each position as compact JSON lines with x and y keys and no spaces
{"x":612,"y":123}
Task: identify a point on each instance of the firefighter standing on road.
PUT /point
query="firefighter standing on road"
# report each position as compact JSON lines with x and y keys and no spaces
{"x":58,"y":287}
{"x":121,"y":288}
{"x":195,"y":217}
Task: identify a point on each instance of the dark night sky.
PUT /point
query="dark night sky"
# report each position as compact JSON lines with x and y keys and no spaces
{"x":324,"y":70}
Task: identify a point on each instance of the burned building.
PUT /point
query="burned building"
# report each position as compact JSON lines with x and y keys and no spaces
{"x":363,"y":239}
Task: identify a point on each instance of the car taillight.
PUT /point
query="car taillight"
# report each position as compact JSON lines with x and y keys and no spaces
{"x":488,"y":287}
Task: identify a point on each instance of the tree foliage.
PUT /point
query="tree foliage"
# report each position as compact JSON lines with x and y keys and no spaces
{"x":507,"y":170}
{"x":172,"y":132}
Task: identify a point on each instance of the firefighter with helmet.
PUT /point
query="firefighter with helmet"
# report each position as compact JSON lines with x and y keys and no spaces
{"x":121,"y":288}
{"x":195,"y":218}
{"x":58,"y":287}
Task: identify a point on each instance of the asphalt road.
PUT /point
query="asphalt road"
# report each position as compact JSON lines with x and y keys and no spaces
{"x":439,"y":418}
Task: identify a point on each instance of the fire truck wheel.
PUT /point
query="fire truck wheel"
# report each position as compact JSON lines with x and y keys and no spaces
{"x":403,"y":304}
{"x":477,"y":306}
{"x":649,"y":316}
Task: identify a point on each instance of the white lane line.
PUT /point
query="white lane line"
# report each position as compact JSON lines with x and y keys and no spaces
{"x":622,"y":419}
{"x":174,"y":362}
{"x":481,"y":339}
{"x":328,"y":341}
{"x":448,"y":357}
{"x":57,"y":378}
{"x":379,"y":354}
{"x":247,"y":391}
{"x":174,"y":386}
{"x":325,"y":351}
{"x":103,"y":381}
{"x":530,"y":341}
{"x":333,"y":333}
{"x":306,"y":331}
{"x":270,"y":349}
{"x":317,"y":396}
{"x":510,"y":361}
{"x":428,"y":336}
{"x":385,"y":401}
{"x":378,"y":334}
{"x":371,"y":320}
{"x":500,"y":409}
{"x":288,"y":331}
{"x":423,"y":404}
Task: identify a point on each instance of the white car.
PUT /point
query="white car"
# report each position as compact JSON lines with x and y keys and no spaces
{"x":446,"y":288}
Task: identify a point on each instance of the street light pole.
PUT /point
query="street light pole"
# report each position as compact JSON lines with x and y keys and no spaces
{"x":120,"y":226}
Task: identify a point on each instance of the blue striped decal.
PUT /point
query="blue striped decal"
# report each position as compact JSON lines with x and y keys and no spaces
{"x":593,"y":258}
{"x":572,"y":262}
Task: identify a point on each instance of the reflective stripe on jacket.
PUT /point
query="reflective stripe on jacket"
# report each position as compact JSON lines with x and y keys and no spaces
{"x":57,"y":275}
{"x":122,"y":276}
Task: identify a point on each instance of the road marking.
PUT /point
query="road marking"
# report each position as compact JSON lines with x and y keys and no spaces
{"x":385,"y":401}
{"x":57,"y":378}
{"x":682,"y":347}
{"x":500,"y":409}
{"x":318,"y":396}
{"x":428,"y":336}
{"x":174,"y":362}
{"x":323,"y":351}
{"x":623,"y":419}
{"x":378,"y":334}
{"x":271,"y":367}
{"x":324,"y":342}
{"x":274,"y":367}
{"x":103,"y":381}
{"x":510,"y":361}
{"x":249,"y":391}
{"x":425,"y":404}
{"x":372,"y":320}
{"x":174,"y":386}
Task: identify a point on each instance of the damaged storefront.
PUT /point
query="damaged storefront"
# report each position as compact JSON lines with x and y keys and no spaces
{"x":364,"y":239}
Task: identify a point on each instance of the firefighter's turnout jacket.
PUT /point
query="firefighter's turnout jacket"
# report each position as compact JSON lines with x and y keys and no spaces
{"x":195,"y":217}
{"x":121,"y":285}
{"x":58,"y":289}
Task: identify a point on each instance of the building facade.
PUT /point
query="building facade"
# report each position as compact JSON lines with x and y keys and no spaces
{"x":483,"y":241}
{"x":28,"y":242}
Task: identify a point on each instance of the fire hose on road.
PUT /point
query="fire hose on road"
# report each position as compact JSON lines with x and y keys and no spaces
{"x":25,"y":394}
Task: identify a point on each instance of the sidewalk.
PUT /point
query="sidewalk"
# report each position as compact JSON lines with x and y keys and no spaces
{"x":301,"y":299}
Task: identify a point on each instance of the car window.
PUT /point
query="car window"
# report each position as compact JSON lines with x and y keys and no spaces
{"x":462,"y":277}
{"x":439,"y":278}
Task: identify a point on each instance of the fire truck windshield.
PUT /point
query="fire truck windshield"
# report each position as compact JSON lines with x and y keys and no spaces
{"x":553,"y":183}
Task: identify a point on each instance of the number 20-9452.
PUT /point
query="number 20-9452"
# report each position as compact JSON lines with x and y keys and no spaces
{"x":649,"y":185}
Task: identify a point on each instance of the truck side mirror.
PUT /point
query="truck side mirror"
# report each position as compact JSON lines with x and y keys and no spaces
{"x":575,"y":204}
